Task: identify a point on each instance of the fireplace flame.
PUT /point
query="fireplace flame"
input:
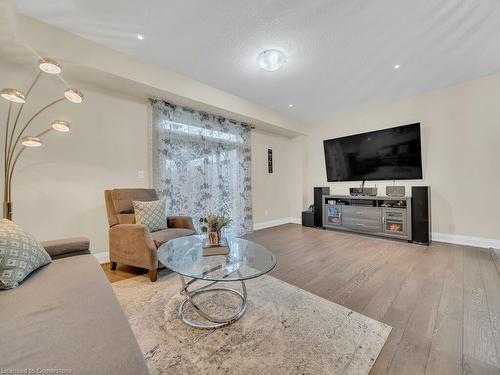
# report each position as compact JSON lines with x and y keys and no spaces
{"x":395,"y":227}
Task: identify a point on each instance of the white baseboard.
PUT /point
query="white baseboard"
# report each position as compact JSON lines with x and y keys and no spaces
{"x":466,"y":240}
{"x":102,"y":257}
{"x":271,"y":223}
{"x":274,"y":223}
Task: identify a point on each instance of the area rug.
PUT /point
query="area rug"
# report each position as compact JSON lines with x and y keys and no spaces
{"x":285,"y":330}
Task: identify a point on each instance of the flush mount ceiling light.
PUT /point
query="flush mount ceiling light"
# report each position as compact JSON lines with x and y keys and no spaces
{"x":74,"y":95}
{"x":140,"y":37}
{"x":13,"y":95}
{"x":31,"y":142}
{"x":271,"y":60}
{"x":60,"y":126}
{"x":290,"y":105}
{"x":397,"y":66}
{"x":49,"y":65}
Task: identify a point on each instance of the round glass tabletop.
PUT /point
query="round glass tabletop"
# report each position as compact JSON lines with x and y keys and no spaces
{"x":246,"y":259}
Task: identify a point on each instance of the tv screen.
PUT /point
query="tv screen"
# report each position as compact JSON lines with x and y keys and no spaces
{"x":389,"y":154}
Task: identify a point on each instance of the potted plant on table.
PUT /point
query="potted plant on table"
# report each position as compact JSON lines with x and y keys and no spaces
{"x":213,"y":224}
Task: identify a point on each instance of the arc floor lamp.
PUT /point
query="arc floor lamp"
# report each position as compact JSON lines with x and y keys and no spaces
{"x":15,"y":139}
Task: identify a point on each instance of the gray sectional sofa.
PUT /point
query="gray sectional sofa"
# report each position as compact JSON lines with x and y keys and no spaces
{"x":66,"y":317}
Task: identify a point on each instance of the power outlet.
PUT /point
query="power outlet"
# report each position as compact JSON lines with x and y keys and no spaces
{"x":266,"y":213}
{"x":140,"y":174}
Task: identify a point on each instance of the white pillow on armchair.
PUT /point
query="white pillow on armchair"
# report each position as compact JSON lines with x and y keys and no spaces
{"x":153,"y":214}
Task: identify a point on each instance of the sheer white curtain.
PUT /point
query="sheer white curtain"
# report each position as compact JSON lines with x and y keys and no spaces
{"x":201,"y":164}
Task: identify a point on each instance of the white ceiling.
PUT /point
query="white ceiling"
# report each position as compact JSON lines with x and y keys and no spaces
{"x":340,"y":53}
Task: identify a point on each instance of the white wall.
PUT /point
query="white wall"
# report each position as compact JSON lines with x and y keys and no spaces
{"x":276,"y":196}
{"x":58,"y":189}
{"x":460,"y":146}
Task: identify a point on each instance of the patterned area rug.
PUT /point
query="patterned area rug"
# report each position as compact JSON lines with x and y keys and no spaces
{"x":285,"y":330}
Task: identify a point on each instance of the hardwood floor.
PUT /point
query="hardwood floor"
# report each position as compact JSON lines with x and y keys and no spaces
{"x":443,"y":301}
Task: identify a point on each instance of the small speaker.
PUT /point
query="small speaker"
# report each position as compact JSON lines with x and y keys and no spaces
{"x":395,"y":191}
{"x":421,"y":214}
{"x":308,"y":218}
{"x":318,"y":205}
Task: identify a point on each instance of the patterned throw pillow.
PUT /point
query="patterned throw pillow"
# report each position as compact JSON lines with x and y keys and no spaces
{"x":152,"y":214}
{"x":20,"y":254}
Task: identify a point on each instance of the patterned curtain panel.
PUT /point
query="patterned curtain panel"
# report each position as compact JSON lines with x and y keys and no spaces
{"x":201,"y":164}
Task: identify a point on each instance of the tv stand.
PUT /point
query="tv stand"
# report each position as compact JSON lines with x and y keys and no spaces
{"x":379,"y":215}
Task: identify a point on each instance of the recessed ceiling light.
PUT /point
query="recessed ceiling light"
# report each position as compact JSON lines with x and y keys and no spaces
{"x":271,"y":60}
{"x":290,"y":105}
{"x":397,"y":66}
{"x":140,"y":36}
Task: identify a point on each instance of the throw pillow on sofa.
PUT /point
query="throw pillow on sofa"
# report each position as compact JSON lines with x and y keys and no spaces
{"x":153,"y":214}
{"x":20,"y":254}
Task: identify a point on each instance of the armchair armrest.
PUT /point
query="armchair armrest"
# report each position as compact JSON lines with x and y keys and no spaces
{"x":67,"y":247}
{"x":185,"y":222}
{"x":132,"y":244}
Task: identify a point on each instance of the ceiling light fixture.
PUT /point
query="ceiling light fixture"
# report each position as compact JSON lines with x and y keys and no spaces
{"x":49,"y":65}
{"x":140,"y":36}
{"x":13,"y":95}
{"x":271,"y":60}
{"x":74,"y":95}
{"x":290,"y":105}
{"x":397,"y":66}
{"x":31,"y":142}
{"x":60,"y":126}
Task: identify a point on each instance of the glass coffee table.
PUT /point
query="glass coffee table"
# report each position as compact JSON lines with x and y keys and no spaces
{"x":246,"y":260}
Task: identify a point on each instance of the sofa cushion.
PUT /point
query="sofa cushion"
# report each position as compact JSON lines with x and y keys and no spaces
{"x":152,"y":214}
{"x":20,"y":254}
{"x":66,"y":316}
{"x":162,"y":236}
{"x":122,"y":198}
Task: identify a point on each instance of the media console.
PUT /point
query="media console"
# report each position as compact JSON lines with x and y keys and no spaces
{"x":380,"y":215}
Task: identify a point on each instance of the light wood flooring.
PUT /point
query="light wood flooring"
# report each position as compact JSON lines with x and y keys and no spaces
{"x":443,"y":301}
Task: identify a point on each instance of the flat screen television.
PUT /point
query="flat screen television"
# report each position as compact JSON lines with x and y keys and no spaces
{"x":388,"y":154}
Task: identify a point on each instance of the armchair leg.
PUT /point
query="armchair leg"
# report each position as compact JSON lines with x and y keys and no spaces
{"x":112,"y":266}
{"x":153,"y":275}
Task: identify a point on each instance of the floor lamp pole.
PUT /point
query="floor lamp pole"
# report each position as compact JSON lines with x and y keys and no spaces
{"x":7,"y":206}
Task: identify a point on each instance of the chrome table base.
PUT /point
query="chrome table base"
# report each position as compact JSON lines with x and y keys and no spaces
{"x":216,"y":322}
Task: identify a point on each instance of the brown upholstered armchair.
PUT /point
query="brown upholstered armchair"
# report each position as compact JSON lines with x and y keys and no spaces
{"x":131,"y":243}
